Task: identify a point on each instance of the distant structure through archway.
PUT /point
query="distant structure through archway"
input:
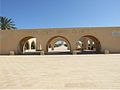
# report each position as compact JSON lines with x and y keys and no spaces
{"x":58,"y":45}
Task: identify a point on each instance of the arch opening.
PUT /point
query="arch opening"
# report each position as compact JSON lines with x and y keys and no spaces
{"x":58,"y":45}
{"x":27,"y":45}
{"x":89,"y":45}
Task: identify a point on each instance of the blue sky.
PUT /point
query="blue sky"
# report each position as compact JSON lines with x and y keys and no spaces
{"x":61,"y":13}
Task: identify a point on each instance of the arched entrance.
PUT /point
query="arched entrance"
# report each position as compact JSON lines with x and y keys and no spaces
{"x":89,"y":44}
{"x":27,"y":45}
{"x":58,"y":45}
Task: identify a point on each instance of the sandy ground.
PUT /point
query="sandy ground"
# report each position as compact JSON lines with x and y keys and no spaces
{"x":60,"y":72}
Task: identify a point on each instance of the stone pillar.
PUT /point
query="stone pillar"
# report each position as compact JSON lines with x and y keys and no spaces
{"x":68,"y":48}
{"x":91,"y":44}
{"x":38,"y":45}
{"x":84,"y":43}
{"x":29,"y":45}
{"x":52,"y":46}
{"x":73,"y":46}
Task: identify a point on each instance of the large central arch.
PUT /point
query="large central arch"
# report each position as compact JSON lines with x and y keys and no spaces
{"x":61,"y":38}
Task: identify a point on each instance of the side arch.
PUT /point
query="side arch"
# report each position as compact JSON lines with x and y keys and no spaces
{"x":96,"y":40}
{"x":22,"y":42}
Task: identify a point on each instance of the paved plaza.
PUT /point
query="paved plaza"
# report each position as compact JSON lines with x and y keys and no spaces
{"x":60,"y":72}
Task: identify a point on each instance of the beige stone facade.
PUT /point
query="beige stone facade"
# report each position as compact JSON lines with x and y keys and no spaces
{"x":105,"y":38}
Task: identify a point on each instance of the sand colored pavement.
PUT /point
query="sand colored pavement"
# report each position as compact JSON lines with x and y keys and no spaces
{"x":61,"y":48}
{"x":60,"y":72}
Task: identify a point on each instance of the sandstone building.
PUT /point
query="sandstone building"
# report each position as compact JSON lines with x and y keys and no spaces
{"x":97,"y":39}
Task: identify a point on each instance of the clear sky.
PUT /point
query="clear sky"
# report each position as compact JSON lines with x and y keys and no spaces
{"x":61,"y":13}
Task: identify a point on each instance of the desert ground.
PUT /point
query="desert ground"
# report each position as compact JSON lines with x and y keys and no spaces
{"x":98,"y":71}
